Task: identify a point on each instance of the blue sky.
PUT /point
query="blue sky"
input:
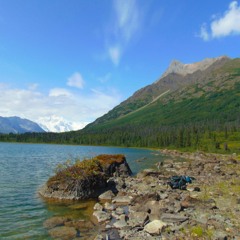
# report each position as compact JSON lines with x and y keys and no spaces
{"x":78,"y":59}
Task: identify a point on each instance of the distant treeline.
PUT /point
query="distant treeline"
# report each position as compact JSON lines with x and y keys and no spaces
{"x":208,"y":136}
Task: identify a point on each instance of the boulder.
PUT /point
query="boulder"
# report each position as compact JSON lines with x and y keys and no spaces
{"x":86,"y":179}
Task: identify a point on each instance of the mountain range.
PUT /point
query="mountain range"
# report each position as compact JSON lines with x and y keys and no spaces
{"x":177,"y":110}
{"x":18,"y":125}
{"x":176,"y":79}
{"x":193,"y":105}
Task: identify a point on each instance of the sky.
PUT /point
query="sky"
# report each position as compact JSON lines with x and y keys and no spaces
{"x":77,"y":59}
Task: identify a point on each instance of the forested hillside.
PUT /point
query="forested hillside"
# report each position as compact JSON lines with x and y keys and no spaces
{"x":199,"y":110}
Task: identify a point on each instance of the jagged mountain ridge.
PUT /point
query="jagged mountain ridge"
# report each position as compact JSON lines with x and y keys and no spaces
{"x":175,"y":78}
{"x":184,"y":69}
{"x":18,"y":125}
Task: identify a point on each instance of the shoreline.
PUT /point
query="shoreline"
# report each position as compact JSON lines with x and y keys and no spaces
{"x":146,"y":200}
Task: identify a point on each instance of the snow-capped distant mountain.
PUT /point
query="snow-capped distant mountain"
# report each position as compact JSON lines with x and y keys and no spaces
{"x":58,"y":124}
{"x":18,"y":125}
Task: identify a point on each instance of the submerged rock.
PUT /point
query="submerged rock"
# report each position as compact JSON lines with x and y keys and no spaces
{"x":86,"y":179}
{"x":63,"y":233}
{"x":55,"y":222}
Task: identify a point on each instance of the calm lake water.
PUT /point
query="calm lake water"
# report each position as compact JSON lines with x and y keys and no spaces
{"x":25,"y":167}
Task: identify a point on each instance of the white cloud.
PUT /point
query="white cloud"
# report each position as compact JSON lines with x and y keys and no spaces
{"x":225,"y":25}
{"x":76,"y":80}
{"x":115,"y":54}
{"x":59,"y":92}
{"x":204,"y":33}
{"x":229,"y":24}
{"x":78,"y":109}
{"x":125,"y":25}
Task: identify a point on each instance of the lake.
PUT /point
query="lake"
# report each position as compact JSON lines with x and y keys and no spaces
{"x":25,"y":167}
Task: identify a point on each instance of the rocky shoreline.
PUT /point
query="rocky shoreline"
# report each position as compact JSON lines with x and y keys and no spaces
{"x":145,"y":207}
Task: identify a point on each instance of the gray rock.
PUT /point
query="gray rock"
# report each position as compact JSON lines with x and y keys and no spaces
{"x":122,"y":199}
{"x":121,"y":223}
{"x":101,"y":216}
{"x":137,"y":219}
{"x":109,"y":206}
{"x":220,"y":235}
{"x":173,"y":218}
{"x":119,"y":211}
{"x":155,"y":227}
{"x":108,"y":195}
{"x":98,"y":207}
{"x":163,"y":195}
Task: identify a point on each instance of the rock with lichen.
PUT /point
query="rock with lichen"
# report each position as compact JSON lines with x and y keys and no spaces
{"x":86,"y":179}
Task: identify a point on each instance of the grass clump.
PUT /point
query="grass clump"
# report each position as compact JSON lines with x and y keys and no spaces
{"x":197,"y":231}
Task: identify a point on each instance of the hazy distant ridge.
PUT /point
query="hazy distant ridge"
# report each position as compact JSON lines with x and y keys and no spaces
{"x":18,"y":125}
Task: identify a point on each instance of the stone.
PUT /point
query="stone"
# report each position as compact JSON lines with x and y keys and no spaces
{"x":99,"y":237}
{"x":101,"y":216}
{"x":98,"y":207}
{"x":121,"y":223}
{"x":55,"y":222}
{"x":155,"y":227}
{"x":119,"y":211}
{"x":108,"y":195}
{"x":122,"y":199}
{"x":220,"y":235}
{"x":137,"y":218}
{"x":163,"y":195}
{"x":63,"y":233}
{"x":173,"y":218}
{"x":109,"y":206}
{"x":188,"y":202}
{"x":79,"y":224}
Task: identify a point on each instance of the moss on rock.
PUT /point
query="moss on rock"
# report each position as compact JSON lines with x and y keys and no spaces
{"x":85,"y":179}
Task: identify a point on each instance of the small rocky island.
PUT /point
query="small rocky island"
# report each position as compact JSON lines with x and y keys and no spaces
{"x":144,"y":207}
{"x":86,"y":179}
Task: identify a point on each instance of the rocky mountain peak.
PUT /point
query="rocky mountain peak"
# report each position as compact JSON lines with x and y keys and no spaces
{"x":184,"y":69}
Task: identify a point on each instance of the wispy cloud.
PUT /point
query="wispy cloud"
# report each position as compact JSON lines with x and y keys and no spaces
{"x":105,"y":78}
{"x":204,"y":33}
{"x":125,"y":24}
{"x":127,"y":18}
{"x":224,"y":25}
{"x":76,"y":80}
{"x":114,"y":54}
